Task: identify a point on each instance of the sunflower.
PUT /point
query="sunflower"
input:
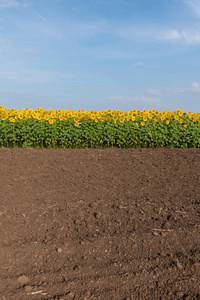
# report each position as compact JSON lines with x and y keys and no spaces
{"x":4,"y":117}
{"x":76,"y":124}
{"x":108,"y":119}
{"x":26,"y":115}
{"x":51,"y":121}
{"x":21,"y":116}
{"x":121,"y":120}
{"x":143,"y":123}
{"x":76,"y":119}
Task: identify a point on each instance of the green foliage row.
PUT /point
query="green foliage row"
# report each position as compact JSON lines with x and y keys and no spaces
{"x":90,"y":134}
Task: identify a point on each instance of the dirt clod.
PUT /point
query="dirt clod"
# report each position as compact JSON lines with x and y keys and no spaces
{"x":97,"y":215}
{"x":59,"y":250}
{"x":23,"y":279}
{"x":28,"y":288}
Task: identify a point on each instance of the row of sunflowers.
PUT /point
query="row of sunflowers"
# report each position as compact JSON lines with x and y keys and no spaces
{"x":97,"y":129}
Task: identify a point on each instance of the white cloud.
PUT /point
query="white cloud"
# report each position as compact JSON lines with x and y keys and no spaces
{"x":139,"y":63}
{"x":188,"y":36}
{"x":9,"y":4}
{"x":174,"y":91}
{"x":195,"y":6}
{"x":154,"y":92}
{"x":171,"y":35}
{"x":195,"y":85}
{"x":40,"y":16}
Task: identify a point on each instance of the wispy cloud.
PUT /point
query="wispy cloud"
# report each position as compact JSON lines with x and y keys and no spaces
{"x":154,"y":92}
{"x":166,"y":35}
{"x":194,"y":89}
{"x":10,"y":4}
{"x":189,"y":37}
{"x":195,"y":85}
{"x":174,"y":91}
{"x":31,"y":51}
{"x":195,"y":6}
{"x":40,"y":16}
{"x":139,"y":63}
{"x":172,"y":34}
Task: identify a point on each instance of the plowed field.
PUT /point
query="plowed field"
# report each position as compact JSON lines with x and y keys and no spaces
{"x":99,"y":224}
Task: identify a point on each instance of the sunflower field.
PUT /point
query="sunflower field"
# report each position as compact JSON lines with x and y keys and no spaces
{"x":90,"y":129}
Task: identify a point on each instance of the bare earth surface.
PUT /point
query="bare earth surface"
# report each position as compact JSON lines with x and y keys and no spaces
{"x":99,"y":224}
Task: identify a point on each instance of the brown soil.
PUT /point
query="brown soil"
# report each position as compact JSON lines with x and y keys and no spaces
{"x":100,"y":224}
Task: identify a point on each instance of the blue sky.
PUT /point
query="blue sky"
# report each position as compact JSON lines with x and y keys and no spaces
{"x":100,"y":54}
